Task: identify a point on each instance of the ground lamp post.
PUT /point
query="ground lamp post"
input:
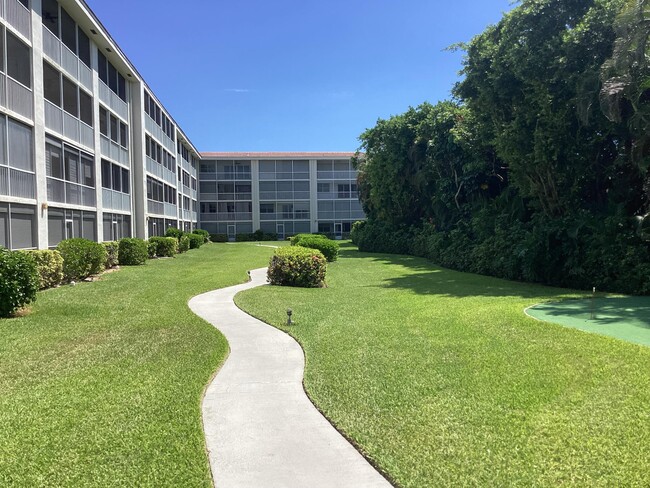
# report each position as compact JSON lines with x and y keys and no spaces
{"x":289,"y":314}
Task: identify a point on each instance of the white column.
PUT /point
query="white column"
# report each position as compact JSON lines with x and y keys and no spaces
{"x":313,"y":194}
{"x":255,"y":188}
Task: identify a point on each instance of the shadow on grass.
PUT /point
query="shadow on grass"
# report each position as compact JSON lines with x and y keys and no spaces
{"x":607,"y":311}
{"x":426,"y":278}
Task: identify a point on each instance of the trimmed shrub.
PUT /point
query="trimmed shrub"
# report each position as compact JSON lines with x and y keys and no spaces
{"x":196,"y":240}
{"x":49,"y":265}
{"x":165,"y":247}
{"x":357,"y":229}
{"x":244,"y":238}
{"x":330,"y":249}
{"x":133,"y":252}
{"x":204,"y":233}
{"x":297,"y":266}
{"x":112,"y":252}
{"x":81,"y":258}
{"x":184,"y":244}
{"x":174,"y":232}
{"x":219,"y":237}
{"x":18,"y":281}
{"x":152,"y":247}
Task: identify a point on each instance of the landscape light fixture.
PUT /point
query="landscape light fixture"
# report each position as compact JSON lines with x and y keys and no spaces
{"x":289,"y":314}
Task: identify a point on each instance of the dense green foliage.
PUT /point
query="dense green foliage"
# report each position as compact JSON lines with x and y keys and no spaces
{"x":204,"y":233}
{"x":19,"y":281}
{"x":133,"y":251}
{"x":196,"y":240}
{"x":219,"y":237}
{"x":101,"y":384}
{"x":112,"y":254}
{"x":297,"y":266}
{"x":256,"y":236}
{"x":329,"y":248}
{"x":442,"y":381}
{"x":539,"y":170}
{"x":49,"y":265}
{"x":174,"y":232}
{"x":164,"y":247}
{"x":81,"y":258}
{"x":184,"y":244}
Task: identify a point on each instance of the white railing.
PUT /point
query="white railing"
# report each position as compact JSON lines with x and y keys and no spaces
{"x":154,"y":207}
{"x":19,"y":17}
{"x":285,"y":195}
{"x":64,"y":57}
{"x":21,"y":184}
{"x":161,"y":172}
{"x":72,"y":193}
{"x":304,"y":215}
{"x":114,"y":102}
{"x":114,"y":151}
{"x":69,"y":126}
{"x":337,"y":175}
{"x":341,"y":215}
{"x":234,"y":196}
{"x":20,"y":99}
{"x":156,"y":131}
{"x":336,"y":195}
{"x":3,"y":90}
{"x":116,"y":200}
{"x":51,"y":46}
{"x":171,"y":210}
{"x":4,"y":180}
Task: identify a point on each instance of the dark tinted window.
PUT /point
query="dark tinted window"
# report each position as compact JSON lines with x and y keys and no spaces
{"x":18,"y":60}
{"x":68,"y":31}
{"x":52,"y":84}
{"x":85,"y":108}
{"x":84,"y":47}
{"x":50,"y":14}
{"x":70,"y":97}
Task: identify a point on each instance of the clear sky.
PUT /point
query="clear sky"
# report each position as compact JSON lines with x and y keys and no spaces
{"x":293,"y":75}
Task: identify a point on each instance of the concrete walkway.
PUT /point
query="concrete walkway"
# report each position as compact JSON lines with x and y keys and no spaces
{"x":261,"y":429}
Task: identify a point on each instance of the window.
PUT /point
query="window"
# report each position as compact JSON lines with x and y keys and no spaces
{"x":68,"y":31}
{"x":50,"y":14}
{"x":85,"y":108}
{"x":70,"y":97}
{"x":267,"y":208}
{"x":115,"y":177}
{"x":19,"y":60}
{"x":52,"y":84}
{"x":323,"y":187}
{"x":114,"y":128}
{"x":111,"y":77}
{"x":20,"y":150}
{"x":106,"y":174}
{"x":84,"y":47}
{"x":103,"y":121}
{"x":102,"y":68}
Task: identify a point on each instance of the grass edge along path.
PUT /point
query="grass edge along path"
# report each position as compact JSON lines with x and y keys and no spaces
{"x":101,"y":384}
{"x":441,"y":379}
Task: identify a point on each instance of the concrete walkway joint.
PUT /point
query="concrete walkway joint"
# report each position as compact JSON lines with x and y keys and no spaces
{"x":261,"y":429}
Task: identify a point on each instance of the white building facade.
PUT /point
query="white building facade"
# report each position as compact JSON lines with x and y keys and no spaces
{"x":281,"y":193}
{"x":87,"y":149}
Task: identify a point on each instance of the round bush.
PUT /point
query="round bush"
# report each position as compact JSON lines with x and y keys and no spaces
{"x":219,"y":237}
{"x":184,"y":243}
{"x":330,"y":249}
{"x":49,"y":265}
{"x":165,"y":247}
{"x":196,"y":240}
{"x":204,"y":233}
{"x":151,"y":249}
{"x":133,"y":252}
{"x":18,"y":281}
{"x":174,"y":232}
{"x":81,"y":258}
{"x":297,"y":266}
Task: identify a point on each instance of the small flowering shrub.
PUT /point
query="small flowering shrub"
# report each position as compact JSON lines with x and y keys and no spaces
{"x":49,"y":265}
{"x":81,"y":258}
{"x":18,"y":281}
{"x":297,"y":266}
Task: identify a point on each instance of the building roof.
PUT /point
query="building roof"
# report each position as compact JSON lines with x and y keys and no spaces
{"x":276,"y":155}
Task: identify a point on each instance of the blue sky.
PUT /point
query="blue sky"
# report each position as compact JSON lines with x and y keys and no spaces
{"x":290,"y":75}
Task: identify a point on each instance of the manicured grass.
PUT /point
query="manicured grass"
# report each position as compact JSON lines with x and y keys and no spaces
{"x":442,"y":380}
{"x":101,"y":385}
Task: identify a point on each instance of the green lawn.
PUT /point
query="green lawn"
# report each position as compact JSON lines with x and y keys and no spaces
{"x":442,"y":380}
{"x":101,"y":385}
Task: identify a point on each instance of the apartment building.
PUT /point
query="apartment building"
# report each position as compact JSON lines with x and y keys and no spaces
{"x":86,"y":149}
{"x":283,"y":193}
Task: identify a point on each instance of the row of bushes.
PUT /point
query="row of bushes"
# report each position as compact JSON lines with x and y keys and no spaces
{"x":23,"y":273}
{"x":329,"y":248}
{"x":570,"y":252}
{"x":256,"y":236}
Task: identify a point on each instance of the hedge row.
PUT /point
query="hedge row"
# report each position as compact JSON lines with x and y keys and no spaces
{"x":329,"y":248}
{"x":609,"y":254}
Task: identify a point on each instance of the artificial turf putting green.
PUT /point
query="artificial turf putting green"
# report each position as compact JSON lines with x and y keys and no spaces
{"x":626,"y":318}
{"x":442,"y":380}
{"x":101,"y":384}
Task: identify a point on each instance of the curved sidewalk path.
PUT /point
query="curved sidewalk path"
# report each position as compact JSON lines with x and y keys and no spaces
{"x":260,"y":427}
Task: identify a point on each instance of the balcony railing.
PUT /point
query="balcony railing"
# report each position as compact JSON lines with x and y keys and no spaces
{"x":71,"y":193}
{"x":161,"y":172}
{"x":18,"y":98}
{"x":239,"y":197}
{"x":155,"y":130}
{"x":19,"y":17}
{"x":284,"y":176}
{"x":226,"y":216}
{"x":298,"y":215}
{"x":71,"y":127}
{"x":17,"y":183}
{"x":114,"y":151}
{"x":285,"y":195}
{"x":154,"y":207}
{"x":114,"y":102}
{"x":337,"y":175}
{"x":115,"y":200}
{"x":338,"y":195}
